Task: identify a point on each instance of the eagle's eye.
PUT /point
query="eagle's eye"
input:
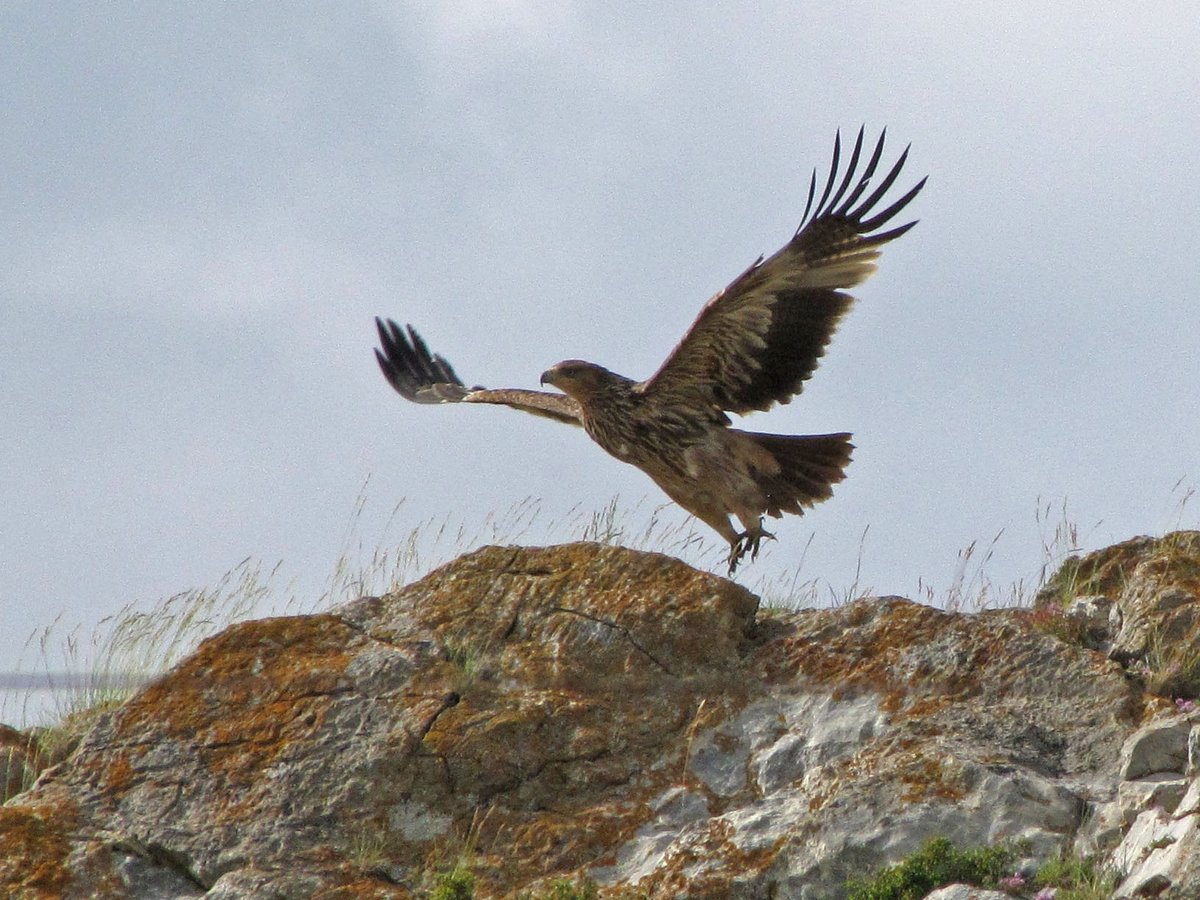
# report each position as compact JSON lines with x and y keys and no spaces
{"x":573,"y":370}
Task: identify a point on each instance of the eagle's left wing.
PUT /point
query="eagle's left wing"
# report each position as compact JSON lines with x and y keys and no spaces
{"x":424,"y":377}
{"x":756,"y":342}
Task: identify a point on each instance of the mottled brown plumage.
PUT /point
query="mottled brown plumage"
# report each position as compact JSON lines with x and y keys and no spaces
{"x":753,"y":345}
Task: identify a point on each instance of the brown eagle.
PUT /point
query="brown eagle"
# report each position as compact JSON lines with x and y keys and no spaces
{"x":753,"y":345}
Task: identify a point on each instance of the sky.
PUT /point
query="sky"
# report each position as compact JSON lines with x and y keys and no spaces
{"x":203,"y":206}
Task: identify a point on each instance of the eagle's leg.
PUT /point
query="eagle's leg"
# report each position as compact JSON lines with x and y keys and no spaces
{"x":747,"y":542}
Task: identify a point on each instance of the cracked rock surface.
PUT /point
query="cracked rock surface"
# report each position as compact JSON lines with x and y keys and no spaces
{"x":550,"y":712}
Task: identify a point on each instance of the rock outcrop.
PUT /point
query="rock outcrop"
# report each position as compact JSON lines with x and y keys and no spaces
{"x":592,"y":711}
{"x":1138,"y":602}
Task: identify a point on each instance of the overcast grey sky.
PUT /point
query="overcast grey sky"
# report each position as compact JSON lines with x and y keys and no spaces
{"x":203,"y":206}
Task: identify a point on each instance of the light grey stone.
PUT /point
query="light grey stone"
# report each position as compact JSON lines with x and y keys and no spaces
{"x":1104,"y":825}
{"x":718,"y":759}
{"x":1094,"y":613}
{"x":966,"y":892}
{"x":1158,"y":747}
{"x":1162,"y":790}
{"x":418,"y":822}
{"x":1193,"y":746}
{"x":1094,"y":608}
{"x":1151,"y":853}
{"x":1190,"y":804}
{"x":247,"y":883}
{"x":679,"y":806}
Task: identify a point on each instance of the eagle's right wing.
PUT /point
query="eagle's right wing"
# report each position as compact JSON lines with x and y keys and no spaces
{"x":756,"y":342}
{"x":424,"y":377}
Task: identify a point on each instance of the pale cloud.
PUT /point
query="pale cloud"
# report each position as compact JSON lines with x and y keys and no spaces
{"x":473,"y":37}
{"x":195,"y":268}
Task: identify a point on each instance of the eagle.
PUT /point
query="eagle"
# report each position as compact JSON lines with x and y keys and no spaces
{"x":753,"y":345}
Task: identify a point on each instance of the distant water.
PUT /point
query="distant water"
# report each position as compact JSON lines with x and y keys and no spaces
{"x":28,"y":699}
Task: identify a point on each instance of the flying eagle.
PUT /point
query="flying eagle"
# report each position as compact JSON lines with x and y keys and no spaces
{"x":753,"y":345}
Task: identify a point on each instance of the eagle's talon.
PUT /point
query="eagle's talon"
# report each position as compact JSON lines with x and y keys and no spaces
{"x":738,"y":549}
{"x":757,"y":539}
{"x":747,"y":542}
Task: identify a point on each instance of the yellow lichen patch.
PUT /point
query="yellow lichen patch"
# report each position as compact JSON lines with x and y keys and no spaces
{"x":36,"y":844}
{"x":235,"y":705}
{"x":248,"y":669}
{"x":904,"y":762}
{"x":579,"y":600}
{"x":120,"y":774}
{"x":549,"y":844}
{"x":690,"y":871}
{"x":925,"y":707}
{"x":855,"y":768}
{"x":854,"y":660}
{"x":364,"y":888}
{"x":926,"y":778}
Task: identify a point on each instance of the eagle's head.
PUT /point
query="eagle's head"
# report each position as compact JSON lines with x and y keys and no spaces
{"x":579,"y":379}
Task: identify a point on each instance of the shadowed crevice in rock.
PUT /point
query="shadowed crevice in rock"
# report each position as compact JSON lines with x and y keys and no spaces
{"x":617,"y":627}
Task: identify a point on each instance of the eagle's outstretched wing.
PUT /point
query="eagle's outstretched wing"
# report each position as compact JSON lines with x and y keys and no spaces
{"x":424,"y":377}
{"x":756,"y":342}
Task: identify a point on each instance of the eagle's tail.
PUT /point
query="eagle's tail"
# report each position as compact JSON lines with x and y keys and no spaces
{"x":809,"y":466}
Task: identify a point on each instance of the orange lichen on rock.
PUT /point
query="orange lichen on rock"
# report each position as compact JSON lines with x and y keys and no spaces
{"x":581,"y":710}
{"x":35,"y":842}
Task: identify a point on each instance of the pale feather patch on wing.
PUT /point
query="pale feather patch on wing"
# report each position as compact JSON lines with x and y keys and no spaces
{"x":844,"y":273}
{"x":539,"y":403}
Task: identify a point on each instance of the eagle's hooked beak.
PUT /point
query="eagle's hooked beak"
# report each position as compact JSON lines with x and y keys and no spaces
{"x":548,"y":377}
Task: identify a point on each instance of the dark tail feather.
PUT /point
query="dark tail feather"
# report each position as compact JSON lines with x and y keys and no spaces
{"x":809,"y":466}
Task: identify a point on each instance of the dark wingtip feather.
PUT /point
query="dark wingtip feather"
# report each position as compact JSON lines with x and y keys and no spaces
{"x":812,"y":191}
{"x":865,"y":180}
{"x":850,"y":168}
{"x":883,"y":217}
{"x":883,"y":188}
{"x":833,"y":170}
{"x":393,"y":376}
{"x":885,"y":236}
{"x":850,"y":204}
{"x":406,"y":361}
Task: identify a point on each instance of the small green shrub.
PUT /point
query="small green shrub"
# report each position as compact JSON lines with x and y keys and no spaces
{"x":1076,"y":878}
{"x":566,"y":889}
{"x":935,"y":865}
{"x":457,"y":884}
